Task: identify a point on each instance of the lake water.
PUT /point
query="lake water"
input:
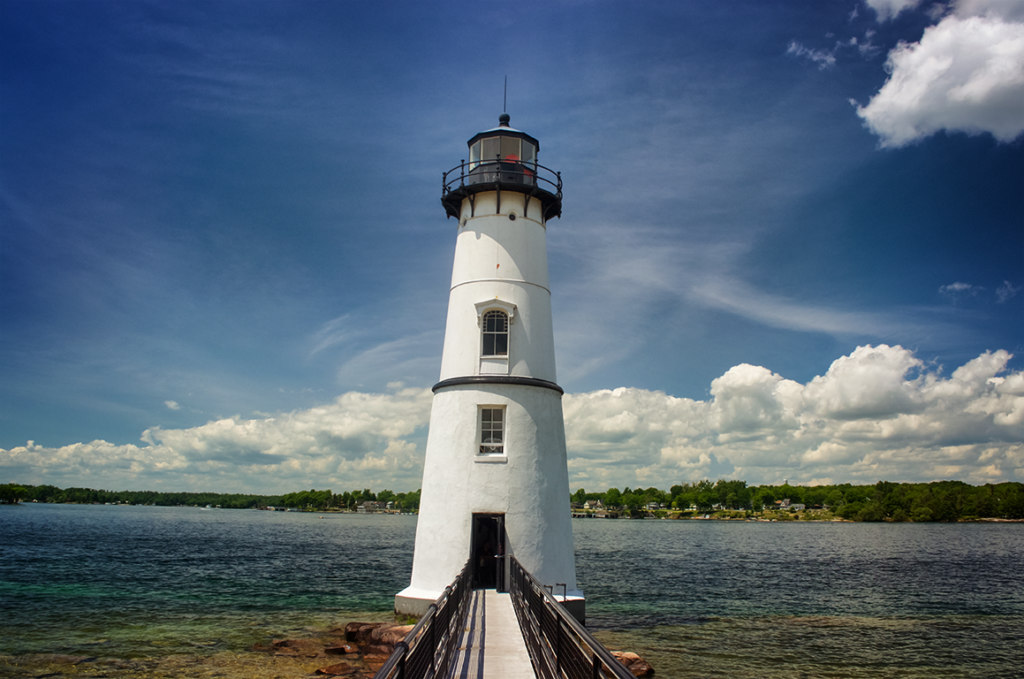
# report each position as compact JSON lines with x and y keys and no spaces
{"x":697,"y":598}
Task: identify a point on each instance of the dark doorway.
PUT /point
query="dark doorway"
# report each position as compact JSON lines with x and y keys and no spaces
{"x":488,"y":551}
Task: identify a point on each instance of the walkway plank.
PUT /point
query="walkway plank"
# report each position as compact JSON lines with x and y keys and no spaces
{"x":491,"y":645}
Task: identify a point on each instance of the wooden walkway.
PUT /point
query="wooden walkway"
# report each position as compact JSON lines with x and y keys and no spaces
{"x":491,"y":645}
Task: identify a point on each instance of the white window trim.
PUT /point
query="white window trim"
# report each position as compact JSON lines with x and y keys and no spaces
{"x":491,"y":457}
{"x":495,"y":305}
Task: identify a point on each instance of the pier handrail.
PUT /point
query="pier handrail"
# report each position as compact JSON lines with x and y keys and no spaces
{"x":560,"y":647}
{"x":427,"y":650}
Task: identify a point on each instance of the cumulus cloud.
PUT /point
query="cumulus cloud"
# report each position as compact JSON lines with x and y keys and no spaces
{"x":1008,"y":10}
{"x":878,"y":413}
{"x":172,"y":405}
{"x":966,"y":74}
{"x":358,"y":440}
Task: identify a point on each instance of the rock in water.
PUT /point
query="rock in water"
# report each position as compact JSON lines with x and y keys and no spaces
{"x":634,"y":663}
{"x":339,"y":670}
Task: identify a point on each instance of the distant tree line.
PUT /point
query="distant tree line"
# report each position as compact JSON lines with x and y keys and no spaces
{"x":884,"y":501}
{"x":313,"y":500}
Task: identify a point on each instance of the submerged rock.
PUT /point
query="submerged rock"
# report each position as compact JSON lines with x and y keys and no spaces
{"x":340,"y":670}
{"x":634,"y":663}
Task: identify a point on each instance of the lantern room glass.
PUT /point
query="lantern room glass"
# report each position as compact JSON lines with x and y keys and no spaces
{"x":518,"y":160}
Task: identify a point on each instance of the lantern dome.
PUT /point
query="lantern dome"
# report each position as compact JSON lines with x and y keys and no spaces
{"x":502,"y":159}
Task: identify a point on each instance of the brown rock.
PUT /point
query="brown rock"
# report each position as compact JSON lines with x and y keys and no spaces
{"x":296,"y":647}
{"x":374,"y":665}
{"x":339,"y":670}
{"x":341,"y":649}
{"x":376,"y":650}
{"x":360,"y":631}
{"x":391,"y":635}
{"x":375,"y":656}
{"x":637,"y":666}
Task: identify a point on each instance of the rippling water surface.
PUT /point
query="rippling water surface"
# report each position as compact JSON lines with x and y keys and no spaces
{"x":699,"y":599}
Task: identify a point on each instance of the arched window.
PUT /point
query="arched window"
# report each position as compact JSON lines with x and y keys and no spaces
{"x":495,"y":324}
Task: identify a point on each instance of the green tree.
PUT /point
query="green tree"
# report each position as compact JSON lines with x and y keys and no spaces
{"x":11,"y":493}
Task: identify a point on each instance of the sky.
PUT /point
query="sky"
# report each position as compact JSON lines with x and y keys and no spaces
{"x":791,"y":247}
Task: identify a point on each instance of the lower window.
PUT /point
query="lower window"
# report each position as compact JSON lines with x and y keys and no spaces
{"x":492,"y":430}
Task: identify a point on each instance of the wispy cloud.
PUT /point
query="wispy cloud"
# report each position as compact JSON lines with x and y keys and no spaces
{"x":959,"y":291}
{"x":822,"y":58}
{"x":1006,"y":291}
{"x":889,"y":9}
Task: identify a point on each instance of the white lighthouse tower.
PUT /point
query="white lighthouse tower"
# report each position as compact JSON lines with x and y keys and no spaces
{"x":495,"y":481}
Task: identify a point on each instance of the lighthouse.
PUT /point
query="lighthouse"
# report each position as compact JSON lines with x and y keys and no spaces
{"x":495,"y":479}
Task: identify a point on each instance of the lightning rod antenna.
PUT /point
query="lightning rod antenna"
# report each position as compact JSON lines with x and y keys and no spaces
{"x":504,"y":103}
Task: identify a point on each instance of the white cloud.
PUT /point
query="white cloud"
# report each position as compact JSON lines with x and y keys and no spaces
{"x":358,"y":440}
{"x":878,"y":413}
{"x":1008,"y":10}
{"x":172,"y":405}
{"x":1006,"y":291}
{"x":959,"y":290}
{"x":888,"y":9}
{"x":822,"y":58}
{"x":966,"y":74}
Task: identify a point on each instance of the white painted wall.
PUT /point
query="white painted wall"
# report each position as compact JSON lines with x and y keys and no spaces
{"x":530,"y":486}
{"x":496,"y":258}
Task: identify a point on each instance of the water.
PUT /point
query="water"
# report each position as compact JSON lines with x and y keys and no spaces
{"x":698,"y":599}
{"x":132,"y":581}
{"x":723,"y":599}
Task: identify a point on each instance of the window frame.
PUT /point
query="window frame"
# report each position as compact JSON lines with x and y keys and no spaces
{"x":486,"y":446}
{"x":494,"y":335}
{"x":497,"y":364}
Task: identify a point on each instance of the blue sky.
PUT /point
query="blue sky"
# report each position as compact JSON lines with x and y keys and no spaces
{"x":787,"y":228}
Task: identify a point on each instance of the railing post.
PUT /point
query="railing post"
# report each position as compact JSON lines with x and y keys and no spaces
{"x":433,"y":637}
{"x":558,"y":646}
{"x":401,"y":661}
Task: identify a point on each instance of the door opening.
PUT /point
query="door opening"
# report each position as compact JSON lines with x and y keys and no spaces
{"x":488,"y":552}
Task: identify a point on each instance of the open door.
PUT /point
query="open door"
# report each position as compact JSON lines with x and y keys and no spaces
{"x":489,"y":552}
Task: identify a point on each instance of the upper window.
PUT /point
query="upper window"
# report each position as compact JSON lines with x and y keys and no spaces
{"x":492,"y":431}
{"x":495,"y":324}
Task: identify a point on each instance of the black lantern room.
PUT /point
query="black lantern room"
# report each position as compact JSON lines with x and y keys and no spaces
{"x":502,"y":159}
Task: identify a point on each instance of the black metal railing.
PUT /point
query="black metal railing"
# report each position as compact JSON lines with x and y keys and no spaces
{"x":560,"y":647}
{"x":503,"y":171}
{"x":427,"y":651}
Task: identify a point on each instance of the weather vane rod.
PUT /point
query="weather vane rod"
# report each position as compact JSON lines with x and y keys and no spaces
{"x":504,"y":103}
